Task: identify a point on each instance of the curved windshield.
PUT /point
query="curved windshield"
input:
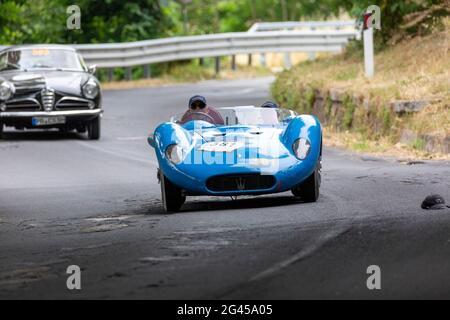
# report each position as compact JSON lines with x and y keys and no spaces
{"x":252,"y":116}
{"x":41,"y":58}
{"x":255,"y":116}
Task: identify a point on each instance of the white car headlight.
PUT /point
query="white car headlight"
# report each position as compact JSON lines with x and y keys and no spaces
{"x":175,"y":153}
{"x":6,"y":90}
{"x":91,"y":89}
{"x":301,"y":148}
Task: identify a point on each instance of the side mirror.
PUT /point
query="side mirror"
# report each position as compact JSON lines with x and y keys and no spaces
{"x":151,"y":140}
{"x":92,"y":69}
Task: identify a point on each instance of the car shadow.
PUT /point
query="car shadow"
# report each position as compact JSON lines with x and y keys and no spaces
{"x":243,"y":203}
{"x":50,"y":135}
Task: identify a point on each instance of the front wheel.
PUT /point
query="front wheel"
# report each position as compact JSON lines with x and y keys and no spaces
{"x":172,"y":196}
{"x":308,"y":190}
{"x":94,"y":129}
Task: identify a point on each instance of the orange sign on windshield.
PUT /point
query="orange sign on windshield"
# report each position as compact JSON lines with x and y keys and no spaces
{"x":40,"y":52}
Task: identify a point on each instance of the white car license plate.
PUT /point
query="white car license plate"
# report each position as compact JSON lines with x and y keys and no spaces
{"x":45,"y":121}
{"x":221,"y":146}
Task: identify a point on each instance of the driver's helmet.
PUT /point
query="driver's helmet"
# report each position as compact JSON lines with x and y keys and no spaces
{"x":197,"y":102}
{"x":270,"y":104}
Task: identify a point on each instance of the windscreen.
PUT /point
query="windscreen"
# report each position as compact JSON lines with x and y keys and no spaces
{"x":41,"y":58}
{"x":255,"y":116}
{"x":252,"y":116}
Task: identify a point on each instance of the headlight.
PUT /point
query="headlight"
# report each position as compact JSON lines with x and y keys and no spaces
{"x":6,"y":90}
{"x":301,"y":148}
{"x":90,"y":89}
{"x":175,"y":153}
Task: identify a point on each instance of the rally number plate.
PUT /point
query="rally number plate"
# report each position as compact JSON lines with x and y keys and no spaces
{"x":221,"y":146}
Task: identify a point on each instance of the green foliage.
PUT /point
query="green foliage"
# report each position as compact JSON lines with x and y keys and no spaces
{"x":26,"y":22}
{"x":44,"y":21}
{"x":117,"y":21}
{"x":348,"y":74}
{"x":190,"y":71}
{"x":349,"y":110}
{"x":418,"y":144}
{"x":33,"y":21}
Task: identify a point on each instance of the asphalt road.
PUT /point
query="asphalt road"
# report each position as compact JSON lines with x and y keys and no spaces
{"x":66,"y":200}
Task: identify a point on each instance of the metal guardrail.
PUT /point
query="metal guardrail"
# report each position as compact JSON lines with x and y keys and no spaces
{"x":289,"y":25}
{"x":216,"y":45}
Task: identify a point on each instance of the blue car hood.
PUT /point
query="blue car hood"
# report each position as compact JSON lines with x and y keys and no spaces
{"x":241,"y":133}
{"x":259,"y":147}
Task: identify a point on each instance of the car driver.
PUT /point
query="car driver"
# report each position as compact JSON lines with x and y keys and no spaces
{"x":199,"y":110}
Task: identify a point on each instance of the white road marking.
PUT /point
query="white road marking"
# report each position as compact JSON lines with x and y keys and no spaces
{"x":117,"y":218}
{"x":160,"y":259}
{"x":119,"y":155}
{"x":228,"y":92}
{"x":300,"y":255}
{"x":104,"y":228}
{"x":131,"y":138}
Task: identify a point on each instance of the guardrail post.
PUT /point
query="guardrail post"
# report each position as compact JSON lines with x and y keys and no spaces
{"x":250,"y":60}
{"x":312,"y":55}
{"x":110,"y":74}
{"x":217,"y":65}
{"x":368,"y":52}
{"x":287,"y":60}
{"x":233,"y":63}
{"x":128,"y":73}
{"x":147,"y":71}
{"x":262,"y":60}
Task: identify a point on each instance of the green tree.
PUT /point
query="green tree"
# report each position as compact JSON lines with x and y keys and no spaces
{"x":118,"y":21}
{"x":43,"y":21}
{"x":39,"y":22}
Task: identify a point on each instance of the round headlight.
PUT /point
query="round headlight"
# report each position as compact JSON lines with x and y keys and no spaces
{"x":6,"y":90}
{"x":175,"y":153}
{"x":301,"y":148}
{"x":90,"y":89}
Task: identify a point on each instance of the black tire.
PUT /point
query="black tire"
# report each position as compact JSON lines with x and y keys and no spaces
{"x":82,"y":129}
{"x":309,"y":189}
{"x":94,"y":129}
{"x":63,"y":130}
{"x":172,"y":196}
{"x":1,"y":130}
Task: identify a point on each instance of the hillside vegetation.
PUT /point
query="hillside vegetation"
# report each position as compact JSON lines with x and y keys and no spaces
{"x":416,"y":69}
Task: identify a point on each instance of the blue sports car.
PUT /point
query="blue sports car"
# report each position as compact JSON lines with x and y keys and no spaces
{"x":256,"y":151}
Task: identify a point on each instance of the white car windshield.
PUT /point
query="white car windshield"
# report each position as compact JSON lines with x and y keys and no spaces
{"x":249,"y":115}
{"x":41,"y":58}
{"x":255,"y":116}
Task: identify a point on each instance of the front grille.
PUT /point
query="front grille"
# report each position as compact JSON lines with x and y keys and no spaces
{"x":28,"y":90}
{"x":31,"y":84}
{"x":241,"y":182}
{"x":48,"y":99}
{"x":23,"y":105}
{"x":74,"y":103}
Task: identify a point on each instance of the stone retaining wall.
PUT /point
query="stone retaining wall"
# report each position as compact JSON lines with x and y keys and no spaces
{"x":344,"y":111}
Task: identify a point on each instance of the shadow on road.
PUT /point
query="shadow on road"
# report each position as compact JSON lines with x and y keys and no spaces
{"x":244,"y":203}
{"x":41,"y":136}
